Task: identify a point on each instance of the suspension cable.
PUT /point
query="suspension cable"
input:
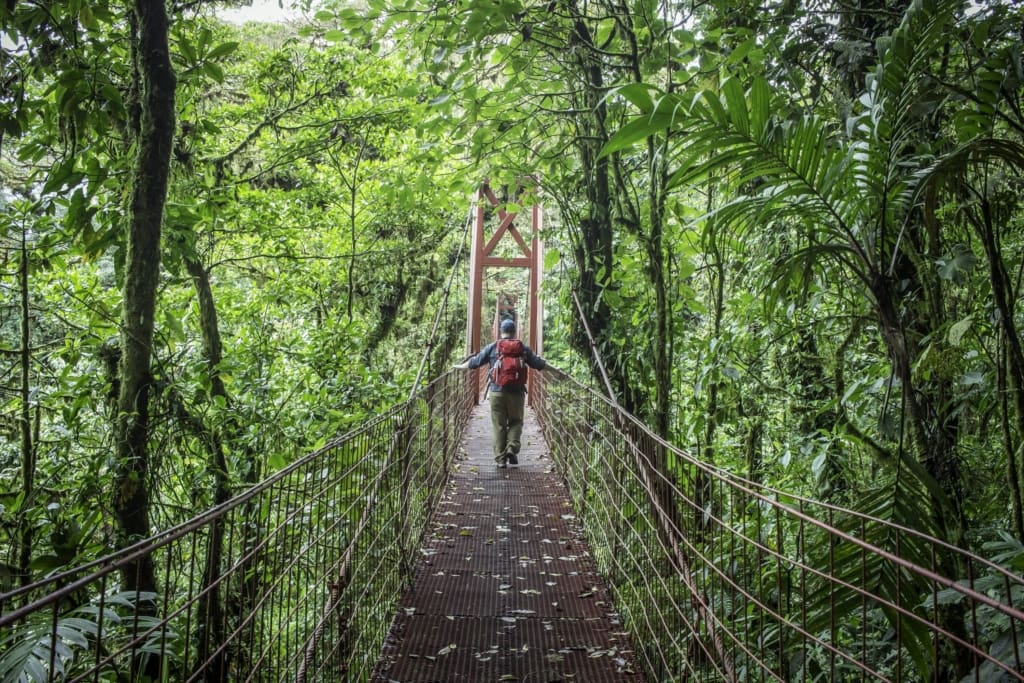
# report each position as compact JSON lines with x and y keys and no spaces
{"x":441,"y":308}
{"x":593,"y":349}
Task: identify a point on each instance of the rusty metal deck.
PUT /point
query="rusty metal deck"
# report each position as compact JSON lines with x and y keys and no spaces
{"x":505,"y":589}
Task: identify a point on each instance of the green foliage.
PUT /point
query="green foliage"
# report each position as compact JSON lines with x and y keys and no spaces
{"x":990,"y":623}
{"x":770,"y":180}
{"x":284,"y":159}
{"x":44,"y":648}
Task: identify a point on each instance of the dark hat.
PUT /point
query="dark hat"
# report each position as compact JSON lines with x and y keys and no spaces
{"x":508,"y":325}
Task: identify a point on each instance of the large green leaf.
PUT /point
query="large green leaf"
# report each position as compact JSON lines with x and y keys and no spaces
{"x":636,"y":130}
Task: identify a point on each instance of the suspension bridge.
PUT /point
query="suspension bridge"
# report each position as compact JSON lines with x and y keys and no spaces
{"x":398,"y":552}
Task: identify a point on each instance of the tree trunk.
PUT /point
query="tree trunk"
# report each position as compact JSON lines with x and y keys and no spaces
{"x":211,"y":612}
{"x":927,"y":443}
{"x":28,"y":456}
{"x":1010,"y":446}
{"x":658,"y":178}
{"x":156,"y":83}
{"x":1004,"y":298}
{"x":716,"y":268}
{"x":593,"y":245}
{"x":934,"y":448}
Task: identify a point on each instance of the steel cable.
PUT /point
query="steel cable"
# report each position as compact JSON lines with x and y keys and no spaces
{"x":442,"y":308}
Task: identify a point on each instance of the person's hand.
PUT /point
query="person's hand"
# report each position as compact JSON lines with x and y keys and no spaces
{"x":461,"y":366}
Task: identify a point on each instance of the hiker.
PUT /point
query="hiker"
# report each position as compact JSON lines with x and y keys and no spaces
{"x":507,"y":358}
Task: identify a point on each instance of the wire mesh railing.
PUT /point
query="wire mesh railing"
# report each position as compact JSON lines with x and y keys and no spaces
{"x":295,"y":579}
{"x":716,"y":577}
{"x":722,"y":579}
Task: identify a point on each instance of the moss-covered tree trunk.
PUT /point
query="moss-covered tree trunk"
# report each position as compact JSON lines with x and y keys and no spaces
{"x":211,"y":612}
{"x":28,"y":452}
{"x":593,"y":244}
{"x":155,"y":84}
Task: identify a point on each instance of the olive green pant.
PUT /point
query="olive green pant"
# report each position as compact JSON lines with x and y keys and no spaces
{"x":507,"y":420}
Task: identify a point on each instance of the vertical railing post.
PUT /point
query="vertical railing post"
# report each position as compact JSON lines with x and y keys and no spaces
{"x":476,"y":287}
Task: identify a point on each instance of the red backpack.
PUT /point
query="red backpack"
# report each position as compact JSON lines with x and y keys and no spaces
{"x":509,"y":368}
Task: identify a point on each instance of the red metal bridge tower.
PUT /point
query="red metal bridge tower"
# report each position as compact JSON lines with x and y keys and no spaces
{"x":483,"y":254}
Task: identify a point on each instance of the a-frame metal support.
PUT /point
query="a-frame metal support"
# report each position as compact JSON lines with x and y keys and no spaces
{"x":482,"y":256}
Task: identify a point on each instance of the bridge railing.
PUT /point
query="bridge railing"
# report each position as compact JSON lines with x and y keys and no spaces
{"x":295,"y":579}
{"x":721,"y":579}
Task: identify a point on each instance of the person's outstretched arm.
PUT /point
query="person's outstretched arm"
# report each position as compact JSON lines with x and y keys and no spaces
{"x":475,"y":361}
{"x":533,"y":360}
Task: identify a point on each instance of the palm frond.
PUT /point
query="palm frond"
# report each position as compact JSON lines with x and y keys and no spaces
{"x":791,"y":162}
{"x":952,"y":167}
{"x":904,"y":503}
{"x":29,"y":651}
{"x":43,"y":648}
{"x":888,"y":125}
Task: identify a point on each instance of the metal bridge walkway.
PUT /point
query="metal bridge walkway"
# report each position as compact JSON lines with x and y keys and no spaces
{"x":505,"y":588}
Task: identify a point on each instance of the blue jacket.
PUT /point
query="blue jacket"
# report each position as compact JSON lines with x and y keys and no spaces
{"x":488,"y":355}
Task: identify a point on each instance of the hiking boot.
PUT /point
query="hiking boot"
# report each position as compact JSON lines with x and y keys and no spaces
{"x":511,"y":457}
{"x":501,"y":461}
